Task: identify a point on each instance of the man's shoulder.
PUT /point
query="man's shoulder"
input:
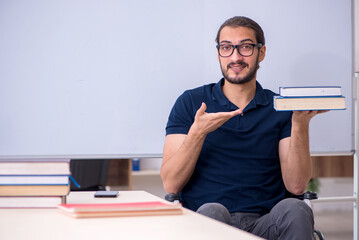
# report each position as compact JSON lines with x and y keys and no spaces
{"x":192,"y":98}
{"x":201,"y":89}
{"x":199,"y":93}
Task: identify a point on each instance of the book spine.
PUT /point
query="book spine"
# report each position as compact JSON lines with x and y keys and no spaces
{"x":294,"y":97}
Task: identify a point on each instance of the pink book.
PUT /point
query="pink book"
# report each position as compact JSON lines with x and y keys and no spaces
{"x":120,"y":209}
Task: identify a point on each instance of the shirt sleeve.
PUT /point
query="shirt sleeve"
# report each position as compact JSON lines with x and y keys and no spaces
{"x":181,"y":116}
{"x":287,"y":126}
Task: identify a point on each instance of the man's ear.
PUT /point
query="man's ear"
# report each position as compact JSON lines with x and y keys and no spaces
{"x":262,"y":53}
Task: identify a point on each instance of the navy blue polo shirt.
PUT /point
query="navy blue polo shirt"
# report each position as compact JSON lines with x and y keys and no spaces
{"x":239,"y":164}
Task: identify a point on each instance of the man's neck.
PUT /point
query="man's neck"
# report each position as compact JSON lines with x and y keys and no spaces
{"x":239,"y":94}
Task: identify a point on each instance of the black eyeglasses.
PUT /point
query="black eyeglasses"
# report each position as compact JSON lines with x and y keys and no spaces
{"x":245,"y":49}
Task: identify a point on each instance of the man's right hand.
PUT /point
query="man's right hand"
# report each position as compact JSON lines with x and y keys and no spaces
{"x":205,"y":123}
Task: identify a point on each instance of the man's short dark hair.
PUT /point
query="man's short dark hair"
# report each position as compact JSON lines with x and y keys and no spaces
{"x":240,"y":21}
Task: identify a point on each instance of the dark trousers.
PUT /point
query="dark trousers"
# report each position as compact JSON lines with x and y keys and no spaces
{"x":289,"y":219}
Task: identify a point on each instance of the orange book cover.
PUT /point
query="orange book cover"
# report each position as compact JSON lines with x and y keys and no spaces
{"x":34,"y":190}
{"x":120,"y":209}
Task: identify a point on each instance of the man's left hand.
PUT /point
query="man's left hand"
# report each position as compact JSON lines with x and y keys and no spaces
{"x":305,"y":116}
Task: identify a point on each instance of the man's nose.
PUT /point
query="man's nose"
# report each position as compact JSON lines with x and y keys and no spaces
{"x":236,"y":56}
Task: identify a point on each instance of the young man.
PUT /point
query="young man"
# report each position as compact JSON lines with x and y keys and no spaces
{"x":230,"y":155}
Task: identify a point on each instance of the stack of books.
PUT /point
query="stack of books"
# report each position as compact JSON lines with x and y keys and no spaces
{"x":309,"y":98}
{"x":120,"y":209}
{"x":33,"y":183}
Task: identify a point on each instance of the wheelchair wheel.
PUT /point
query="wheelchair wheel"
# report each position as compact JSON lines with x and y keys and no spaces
{"x":318,"y":235}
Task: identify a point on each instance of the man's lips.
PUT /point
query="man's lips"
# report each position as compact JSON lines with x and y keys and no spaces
{"x":237,"y":67}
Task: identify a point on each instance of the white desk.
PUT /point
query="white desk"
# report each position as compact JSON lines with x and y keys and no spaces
{"x":50,"y":224}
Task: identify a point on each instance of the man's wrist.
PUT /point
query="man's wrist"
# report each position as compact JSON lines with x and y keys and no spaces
{"x":195,"y":133}
{"x":300,"y":127}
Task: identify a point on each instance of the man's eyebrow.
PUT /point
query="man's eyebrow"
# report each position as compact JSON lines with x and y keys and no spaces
{"x":242,"y":41}
{"x":248,"y":39}
{"x":225,"y":41}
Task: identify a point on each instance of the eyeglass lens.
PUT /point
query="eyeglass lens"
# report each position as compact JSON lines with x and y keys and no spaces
{"x":226,"y":50}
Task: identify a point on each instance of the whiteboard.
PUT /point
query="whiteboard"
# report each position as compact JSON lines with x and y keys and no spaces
{"x":99,"y":78}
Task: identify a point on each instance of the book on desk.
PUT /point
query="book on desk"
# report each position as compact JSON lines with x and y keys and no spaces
{"x":120,"y":209}
{"x":45,"y":166}
{"x":34,"y":183}
{"x":30,"y":202}
{"x":34,"y":180}
{"x":309,"y":98}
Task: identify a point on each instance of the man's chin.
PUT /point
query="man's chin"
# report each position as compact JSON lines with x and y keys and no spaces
{"x":238,"y":80}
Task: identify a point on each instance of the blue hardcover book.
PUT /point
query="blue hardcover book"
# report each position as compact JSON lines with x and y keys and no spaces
{"x":34,"y":179}
{"x":308,"y":103}
{"x":312,"y":91}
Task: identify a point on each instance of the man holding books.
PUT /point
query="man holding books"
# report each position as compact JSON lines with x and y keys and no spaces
{"x":230,"y":155}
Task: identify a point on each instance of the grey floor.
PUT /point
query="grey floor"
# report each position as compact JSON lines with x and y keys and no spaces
{"x":335,"y":225}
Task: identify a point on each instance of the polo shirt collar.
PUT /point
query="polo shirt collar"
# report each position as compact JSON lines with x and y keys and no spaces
{"x":260,"y":97}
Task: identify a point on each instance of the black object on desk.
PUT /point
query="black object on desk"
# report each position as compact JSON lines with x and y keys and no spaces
{"x":90,"y":174}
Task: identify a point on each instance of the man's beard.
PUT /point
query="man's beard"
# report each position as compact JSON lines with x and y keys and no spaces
{"x":241,"y":80}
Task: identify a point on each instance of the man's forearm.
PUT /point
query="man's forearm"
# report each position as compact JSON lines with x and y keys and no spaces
{"x":299,"y":165}
{"x":178,"y":168}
